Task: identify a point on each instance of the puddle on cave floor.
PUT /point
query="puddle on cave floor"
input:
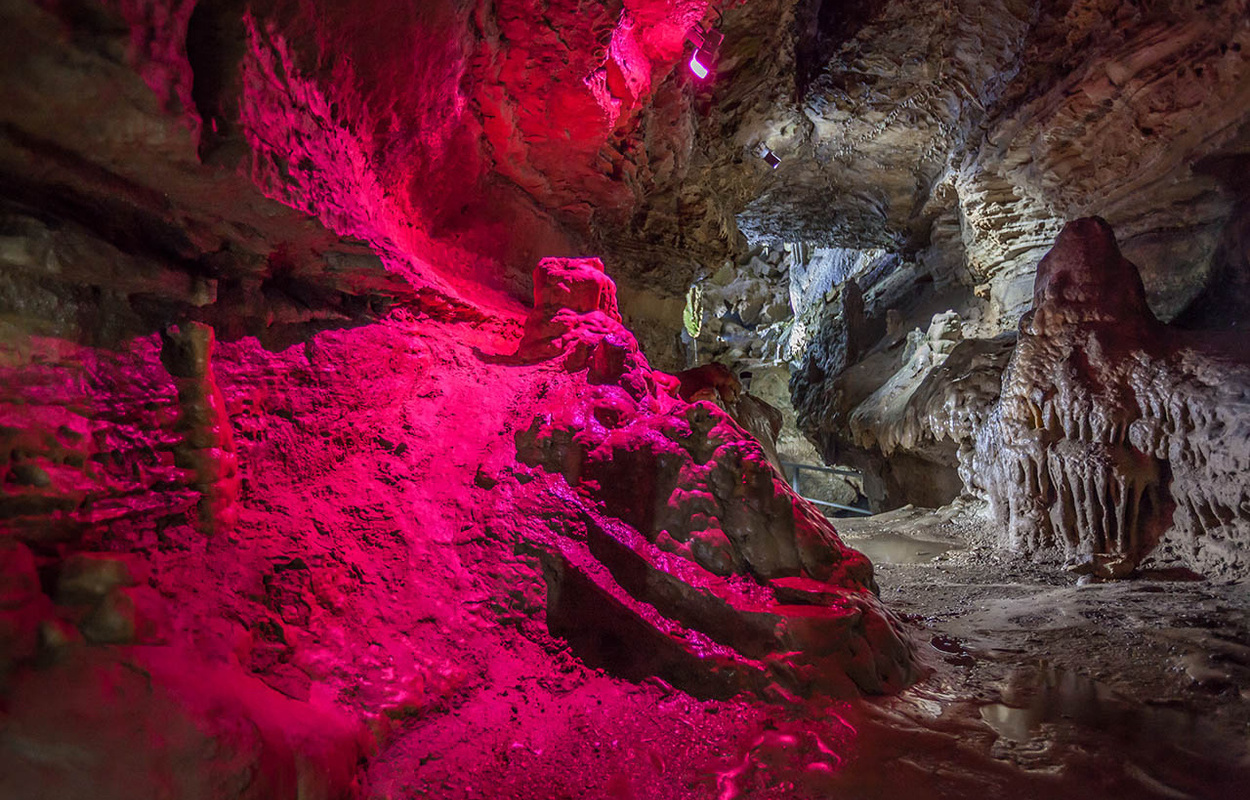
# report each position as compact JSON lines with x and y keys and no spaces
{"x":1058,"y":697}
{"x":1050,"y":735}
{"x":1055,"y":735}
{"x":897,"y":548}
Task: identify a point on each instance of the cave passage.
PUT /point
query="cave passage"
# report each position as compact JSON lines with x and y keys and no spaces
{"x":630,"y":399}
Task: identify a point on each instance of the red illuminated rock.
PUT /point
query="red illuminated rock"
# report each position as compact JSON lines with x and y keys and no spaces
{"x":573,"y":302}
{"x":23,"y":606}
{"x":108,"y":724}
{"x":207,"y":446}
{"x":714,"y":382}
{"x":687,"y":526}
{"x":88,"y":577}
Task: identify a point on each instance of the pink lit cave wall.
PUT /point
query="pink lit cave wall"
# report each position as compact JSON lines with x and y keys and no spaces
{"x":286,"y":464}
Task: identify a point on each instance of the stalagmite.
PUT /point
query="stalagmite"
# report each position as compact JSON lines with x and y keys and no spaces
{"x":1122,"y":496}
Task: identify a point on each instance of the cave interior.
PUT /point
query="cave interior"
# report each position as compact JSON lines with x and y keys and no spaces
{"x":632,"y":399}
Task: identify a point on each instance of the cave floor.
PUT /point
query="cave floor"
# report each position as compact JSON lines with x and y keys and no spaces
{"x":1039,"y":687}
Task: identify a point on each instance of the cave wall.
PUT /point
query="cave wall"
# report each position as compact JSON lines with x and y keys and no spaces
{"x":253,"y":637}
{"x":286,"y":460}
{"x":1014,"y":120}
{"x":267,"y":171}
{"x":1097,"y":433}
{"x":964,"y":135}
{"x":268,"y":485}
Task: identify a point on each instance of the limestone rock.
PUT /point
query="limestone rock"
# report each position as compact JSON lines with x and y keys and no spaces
{"x":23,"y":606}
{"x":691,"y":506}
{"x":86,"y":578}
{"x":207,"y":446}
{"x":1116,"y":436}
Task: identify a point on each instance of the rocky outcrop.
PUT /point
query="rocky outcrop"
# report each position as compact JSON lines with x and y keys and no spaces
{"x":688,"y":537}
{"x":1097,"y":432}
{"x":906,"y":410}
{"x":117,"y":227}
{"x":1118,"y":438}
{"x":88,"y":440}
{"x":716,"y":384}
{"x":952,"y":141}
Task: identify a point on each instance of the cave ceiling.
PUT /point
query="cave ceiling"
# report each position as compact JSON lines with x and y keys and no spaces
{"x":451,"y":144}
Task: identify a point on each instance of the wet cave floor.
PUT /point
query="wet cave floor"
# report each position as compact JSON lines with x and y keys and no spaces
{"x":1040,"y":687}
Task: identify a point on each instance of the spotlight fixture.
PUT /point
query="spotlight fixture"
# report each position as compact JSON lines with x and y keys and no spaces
{"x":697,"y":67}
{"x":706,"y":46}
{"x":770,"y":158}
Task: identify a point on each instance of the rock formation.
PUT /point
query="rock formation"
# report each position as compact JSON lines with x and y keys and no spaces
{"x":1097,"y":433}
{"x":688,"y":536}
{"x":1116,"y":437}
{"x":207,"y":447}
{"x":287,"y":463}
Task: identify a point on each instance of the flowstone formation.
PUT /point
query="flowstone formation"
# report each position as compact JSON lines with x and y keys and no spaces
{"x":1117,"y":437}
{"x":903,"y":406}
{"x":690,"y":557}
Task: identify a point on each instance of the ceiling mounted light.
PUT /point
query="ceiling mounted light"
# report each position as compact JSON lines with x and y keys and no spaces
{"x":770,"y":158}
{"x":706,"y":46}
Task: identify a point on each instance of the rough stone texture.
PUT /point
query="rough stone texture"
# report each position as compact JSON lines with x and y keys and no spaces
{"x":1117,"y":437}
{"x":952,"y":141}
{"x":773,"y":385}
{"x":907,"y":411}
{"x":963,"y":134}
{"x":465,"y":140}
{"x":150,"y":723}
{"x":714,"y":383}
{"x":207,"y":446}
{"x":116,"y":227}
{"x":273,"y":652}
{"x":89,"y":439}
{"x":698,"y":545}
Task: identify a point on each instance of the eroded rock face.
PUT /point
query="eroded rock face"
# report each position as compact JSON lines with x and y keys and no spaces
{"x":1117,"y":437}
{"x":870,"y":394}
{"x":89,"y":438}
{"x":963,"y":135}
{"x":683,"y":517}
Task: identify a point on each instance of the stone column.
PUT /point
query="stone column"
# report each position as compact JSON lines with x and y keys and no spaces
{"x":207,"y":445}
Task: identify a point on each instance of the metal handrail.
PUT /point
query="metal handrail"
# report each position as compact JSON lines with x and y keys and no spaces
{"x":794,"y":484}
{"x":863,"y":511}
{"x":833,"y":470}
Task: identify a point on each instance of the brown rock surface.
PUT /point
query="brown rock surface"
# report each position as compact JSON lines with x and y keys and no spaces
{"x":264,"y":379}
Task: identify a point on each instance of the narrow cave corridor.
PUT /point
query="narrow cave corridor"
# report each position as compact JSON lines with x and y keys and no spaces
{"x":630,"y":399}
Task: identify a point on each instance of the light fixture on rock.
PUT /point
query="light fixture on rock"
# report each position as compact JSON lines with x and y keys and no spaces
{"x":770,"y":158}
{"x":706,"y":45}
